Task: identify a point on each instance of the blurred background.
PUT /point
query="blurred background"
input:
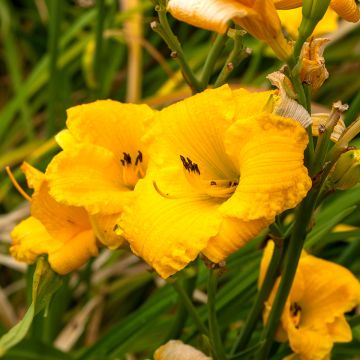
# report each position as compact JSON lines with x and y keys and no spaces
{"x":55,"y":54}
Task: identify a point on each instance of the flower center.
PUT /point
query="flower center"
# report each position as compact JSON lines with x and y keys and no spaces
{"x":132,"y":170}
{"x":295,"y":313}
{"x":219,"y":188}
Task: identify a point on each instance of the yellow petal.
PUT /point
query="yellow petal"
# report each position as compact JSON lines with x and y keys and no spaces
{"x":250,"y":103}
{"x":269,"y":150}
{"x":211,"y":15}
{"x":61,"y":221}
{"x":168,"y":233}
{"x":30,"y":239}
{"x":34,"y":177}
{"x":88,"y":176}
{"x":330,"y":291}
{"x":287,"y":4}
{"x":310,"y":344}
{"x":347,"y":9}
{"x":104,"y":227}
{"x":340,"y":330}
{"x":233,"y":235}
{"x":110,"y":124}
{"x":177,"y":350}
{"x":74,"y":253}
{"x":195,"y":128}
{"x":65,"y":139}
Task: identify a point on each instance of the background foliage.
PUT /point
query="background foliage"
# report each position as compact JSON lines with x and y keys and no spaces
{"x":58,"y":53}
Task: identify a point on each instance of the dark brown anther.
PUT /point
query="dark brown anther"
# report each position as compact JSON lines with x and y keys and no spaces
{"x":139,"y":158}
{"x":212,"y":182}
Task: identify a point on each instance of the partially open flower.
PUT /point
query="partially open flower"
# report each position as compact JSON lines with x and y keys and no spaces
{"x":221,"y":169}
{"x":346,"y":9}
{"x":102,"y":161}
{"x":62,"y":232}
{"x":258,"y":17}
{"x":177,"y":350}
{"x":313,"y":70}
{"x":313,"y":317}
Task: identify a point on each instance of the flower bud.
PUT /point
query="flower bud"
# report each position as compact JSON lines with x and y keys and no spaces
{"x":312,"y":12}
{"x":347,"y":170}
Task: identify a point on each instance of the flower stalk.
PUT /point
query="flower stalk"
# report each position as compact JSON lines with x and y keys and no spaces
{"x":214,"y":331}
{"x":257,"y":307}
{"x":292,"y":257}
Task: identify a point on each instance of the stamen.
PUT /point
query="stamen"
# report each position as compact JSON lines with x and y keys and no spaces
{"x":17,"y":185}
{"x":295,"y":311}
{"x":139,"y":158}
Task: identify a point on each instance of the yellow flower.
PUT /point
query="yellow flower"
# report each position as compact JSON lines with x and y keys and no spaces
{"x":313,"y":317}
{"x":63,"y":232}
{"x":220,"y":170}
{"x":177,"y":350}
{"x":291,"y":19}
{"x":346,"y":9}
{"x":103,"y":158}
{"x":258,"y":17}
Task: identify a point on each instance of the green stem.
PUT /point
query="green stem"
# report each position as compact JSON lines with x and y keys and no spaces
{"x":164,"y":30}
{"x":350,"y":253}
{"x":188,"y":286}
{"x":353,"y":111}
{"x":190,"y":308}
{"x":98,"y":57}
{"x":237,"y":55}
{"x":255,"y":62}
{"x":303,"y":216}
{"x":215,"y":337}
{"x":55,"y":12}
{"x":211,"y":59}
{"x":257,"y":307}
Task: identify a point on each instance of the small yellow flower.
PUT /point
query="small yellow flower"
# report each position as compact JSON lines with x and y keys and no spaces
{"x":103,"y":158}
{"x":63,"y":232}
{"x":291,"y":19}
{"x":346,"y":9}
{"x":177,"y":350}
{"x":221,"y":169}
{"x":258,"y":17}
{"x":313,"y":317}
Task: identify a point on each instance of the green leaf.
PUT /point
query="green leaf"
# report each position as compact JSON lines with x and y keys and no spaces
{"x":45,"y":284}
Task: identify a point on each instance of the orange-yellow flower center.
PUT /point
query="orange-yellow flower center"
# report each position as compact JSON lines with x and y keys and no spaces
{"x":295,"y":313}
{"x":132,"y":170}
{"x":218,"y":188}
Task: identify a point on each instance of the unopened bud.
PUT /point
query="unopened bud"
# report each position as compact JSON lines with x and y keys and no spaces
{"x":347,"y":170}
{"x":312,"y":12}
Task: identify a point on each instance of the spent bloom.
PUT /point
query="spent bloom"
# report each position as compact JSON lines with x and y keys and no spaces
{"x":258,"y":17}
{"x":62,"y":232}
{"x":221,"y":169}
{"x":101,"y":161}
{"x":177,"y":350}
{"x":313,"y":318}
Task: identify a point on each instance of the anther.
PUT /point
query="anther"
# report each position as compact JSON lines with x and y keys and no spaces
{"x":139,"y":158}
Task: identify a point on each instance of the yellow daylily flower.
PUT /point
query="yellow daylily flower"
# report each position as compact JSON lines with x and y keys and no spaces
{"x":177,"y":350}
{"x":101,"y":161}
{"x":62,"y":232}
{"x":258,"y":17}
{"x":346,"y":9}
{"x":220,"y":170}
{"x":291,"y":19}
{"x":313,"y":317}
